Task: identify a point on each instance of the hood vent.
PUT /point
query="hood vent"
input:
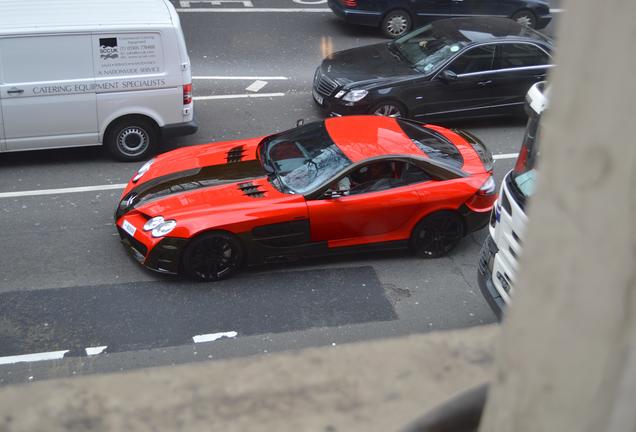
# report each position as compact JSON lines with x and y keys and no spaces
{"x":252,"y":190}
{"x":235,"y":154}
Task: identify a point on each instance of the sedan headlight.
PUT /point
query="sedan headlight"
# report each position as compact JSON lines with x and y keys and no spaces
{"x":355,"y":95}
{"x":143,"y":170}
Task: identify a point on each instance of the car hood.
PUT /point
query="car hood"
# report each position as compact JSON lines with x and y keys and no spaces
{"x":368,"y":64}
{"x":206,"y":176}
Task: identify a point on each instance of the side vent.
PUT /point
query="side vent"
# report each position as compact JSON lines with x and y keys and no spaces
{"x":252,"y":190}
{"x":235,"y":154}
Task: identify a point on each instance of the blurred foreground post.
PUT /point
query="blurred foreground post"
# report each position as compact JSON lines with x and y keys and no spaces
{"x":567,"y":357}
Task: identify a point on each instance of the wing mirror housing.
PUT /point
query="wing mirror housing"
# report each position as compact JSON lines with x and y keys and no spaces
{"x":448,"y":75}
{"x":332,"y":194}
{"x":300,"y":122}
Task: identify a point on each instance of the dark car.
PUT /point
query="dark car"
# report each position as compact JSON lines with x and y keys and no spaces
{"x":397,"y":17}
{"x":453,"y":68}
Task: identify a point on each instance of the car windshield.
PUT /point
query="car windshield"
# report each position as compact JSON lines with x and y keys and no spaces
{"x":524,"y":173}
{"x":303,"y":158}
{"x":426,"y":49}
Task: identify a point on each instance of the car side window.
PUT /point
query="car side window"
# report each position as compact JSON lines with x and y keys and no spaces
{"x":522,"y":55}
{"x":478,"y":59}
{"x":379,"y":176}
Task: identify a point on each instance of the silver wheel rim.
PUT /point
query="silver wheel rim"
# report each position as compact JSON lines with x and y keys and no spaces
{"x":525,"y":20}
{"x":133,"y":141}
{"x":396,"y":25}
{"x":388,"y":111}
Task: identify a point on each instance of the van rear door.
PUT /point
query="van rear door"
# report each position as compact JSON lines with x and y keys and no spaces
{"x":48,"y":92}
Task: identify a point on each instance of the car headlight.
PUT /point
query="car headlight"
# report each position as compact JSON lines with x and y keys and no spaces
{"x":164,"y":228}
{"x":355,"y":95}
{"x":153,"y":223}
{"x":143,"y":170}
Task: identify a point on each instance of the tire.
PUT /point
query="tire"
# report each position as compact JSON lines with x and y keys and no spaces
{"x":396,"y":23}
{"x":525,"y":17}
{"x":132,"y":139}
{"x":212,"y":256}
{"x":437,"y":234}
{"x":389,"y":109}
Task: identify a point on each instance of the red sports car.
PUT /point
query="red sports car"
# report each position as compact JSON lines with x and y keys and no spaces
{"x":340,"y":185}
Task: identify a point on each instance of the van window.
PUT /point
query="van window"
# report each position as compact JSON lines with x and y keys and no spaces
{"x":128,"y":54}
{"x":46,"y":58}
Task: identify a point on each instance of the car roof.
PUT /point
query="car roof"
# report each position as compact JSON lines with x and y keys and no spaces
{"x":364,"y":137}
{"x":483,"y":29}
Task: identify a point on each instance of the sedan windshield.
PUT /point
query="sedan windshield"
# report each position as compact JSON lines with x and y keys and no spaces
{"x":303,"y":158}
{"x":427,"y":49}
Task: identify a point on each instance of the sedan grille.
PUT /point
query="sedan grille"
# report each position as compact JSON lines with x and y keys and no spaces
{"x":324,"y":85}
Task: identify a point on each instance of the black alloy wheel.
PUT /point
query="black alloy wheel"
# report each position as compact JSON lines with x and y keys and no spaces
{"x":131,"y":139}
{"x":388,"y":109}
{"x":525,"y":17}
{"x":213,"y":256}
{"x":437,"y":234}
{"x":396,"y":23}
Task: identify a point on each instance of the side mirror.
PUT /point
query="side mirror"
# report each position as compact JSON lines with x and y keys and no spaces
{"x":448,"y":75}
{"x":300,"y":122}
{"x":332,"y":194}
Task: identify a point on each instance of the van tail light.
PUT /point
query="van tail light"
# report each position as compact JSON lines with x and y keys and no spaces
{"x":488,"y":188}
{"x":187,"y":94}
{"x":351,"y":3}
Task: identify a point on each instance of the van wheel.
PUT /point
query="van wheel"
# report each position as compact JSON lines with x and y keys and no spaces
{"x":132,"y":140}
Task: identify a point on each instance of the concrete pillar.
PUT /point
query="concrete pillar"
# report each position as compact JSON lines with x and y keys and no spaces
{"x":567,"y":358}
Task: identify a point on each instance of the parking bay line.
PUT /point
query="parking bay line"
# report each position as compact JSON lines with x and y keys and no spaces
{"x":246,"y":78}
{"x":232,"y":10}
{"x":238,"y":96}
{"x":123,"y":185}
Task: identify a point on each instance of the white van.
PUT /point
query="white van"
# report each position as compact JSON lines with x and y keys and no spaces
{"x":88,"y":72}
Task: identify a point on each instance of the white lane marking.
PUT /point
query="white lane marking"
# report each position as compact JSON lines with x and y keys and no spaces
{"x":256,"y":86}
{"x":123,"y":185}
{"x":51,"y":355}
{"x":557,"y":10}
{"x":210,"y":337}
{"x":319,"y":10}
{"x":505,"y":156}
{"x":223,"y":77}
{"x":62,"y":191}
{"x":310,"y":2}
{"x":186,"y":3}
{"x":91,"y":351}
{"x":239,"y":96}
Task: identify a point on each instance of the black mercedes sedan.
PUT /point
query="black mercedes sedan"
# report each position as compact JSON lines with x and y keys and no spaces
{"x":397,"y":17}
{"x":452,"y":68}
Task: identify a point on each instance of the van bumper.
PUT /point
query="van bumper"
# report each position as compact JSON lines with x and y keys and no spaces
{"x":179,"y":129}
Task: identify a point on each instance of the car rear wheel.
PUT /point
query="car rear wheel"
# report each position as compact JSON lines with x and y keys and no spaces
{"x":389,"y":109}
{"x":437,"y":234}
{"x":525,"y":17}
{"x":131,"y":139}
{"x":396,"y":23}
{"x":213,"y":256}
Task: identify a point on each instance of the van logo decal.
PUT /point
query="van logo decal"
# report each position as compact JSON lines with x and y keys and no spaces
{"x":108,"y":48}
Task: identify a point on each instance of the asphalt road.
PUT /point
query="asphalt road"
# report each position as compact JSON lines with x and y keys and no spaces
{"x":67,"y":287}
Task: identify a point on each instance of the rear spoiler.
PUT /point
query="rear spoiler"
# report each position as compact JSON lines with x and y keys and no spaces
{"x":484,"y":154}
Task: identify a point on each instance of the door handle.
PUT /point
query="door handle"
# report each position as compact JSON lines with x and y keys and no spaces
{"x":15,"y":91}
{"x":484,"y":83}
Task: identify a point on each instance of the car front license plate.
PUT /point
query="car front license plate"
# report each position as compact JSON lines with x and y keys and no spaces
{"x":317,"y":97}
{"x":129,"y":228}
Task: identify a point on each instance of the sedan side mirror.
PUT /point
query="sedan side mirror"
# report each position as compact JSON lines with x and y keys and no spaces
{"x":448,"y":75}
{"x":300,"y":122}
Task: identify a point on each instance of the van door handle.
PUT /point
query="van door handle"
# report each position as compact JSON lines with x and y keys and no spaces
{"x":484,"y":83}
{"x":15,"y":91}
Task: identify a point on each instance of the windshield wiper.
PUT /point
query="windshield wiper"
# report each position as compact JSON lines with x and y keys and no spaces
{"x":396,"y":51}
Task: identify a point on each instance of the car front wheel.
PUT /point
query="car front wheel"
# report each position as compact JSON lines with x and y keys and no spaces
{"x":396,"y":23}
{"x":437,"y":234}
{"x":212,"y":256}
{"x":389,"y":109}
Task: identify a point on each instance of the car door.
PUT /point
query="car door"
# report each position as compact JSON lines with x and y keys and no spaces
{"x":430,"y":10}
{"x":476,"y":8}
{"x":469,"y":88}
{"x":518,"y":66}
{"x":366,"y":216}
{"x":48,"y":92}
{"x":2,"y":145}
